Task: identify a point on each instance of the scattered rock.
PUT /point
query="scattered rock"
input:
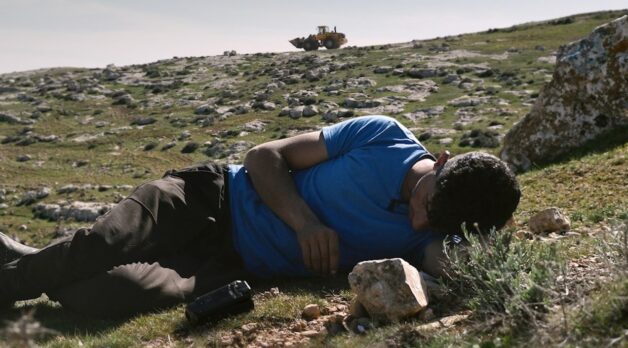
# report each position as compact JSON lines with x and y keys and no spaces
{"x":23,"y":158}
{"x":311,"y":312}
{"x":333,"y":115}
{"x":443,"y":323}
{"x":190,"y":147}
{"x":11,"y":119}
{"x":78,"y":211}
{"x":186,"y":134}
{"x":67,"y":189}
{"x":586,"y":98}
{"x":168,"y":146}
{"x":256,"y":126}
{"x":383,"y":69}
{"x":31,"y":197}
{"x":80,"y":163}
{"x":389,"y":289}
{"x":143,"y":121}
{"x":296,"y":112}
{"x":465,"y":101}
{"x":309,"y":111}
{"x":421,"y":73}
{"x":480,"y":138}
{"x":103,"y":188}
{"x":549,"y":220}
{"x":205,"y":109}
{"x":124,"y":99}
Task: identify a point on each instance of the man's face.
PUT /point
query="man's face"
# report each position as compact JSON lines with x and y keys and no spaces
{"x":419,"y":201}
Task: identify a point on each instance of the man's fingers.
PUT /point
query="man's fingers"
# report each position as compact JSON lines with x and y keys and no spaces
{"x":315,"y":257}
{"x":305,"y":249}
{"x":334,"y":253}
{"x":323,"y":245}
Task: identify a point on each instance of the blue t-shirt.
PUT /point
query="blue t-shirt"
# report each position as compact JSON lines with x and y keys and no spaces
{"x":356,"y":192}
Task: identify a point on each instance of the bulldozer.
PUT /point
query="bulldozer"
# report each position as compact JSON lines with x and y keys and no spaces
{"x":324,"y":38}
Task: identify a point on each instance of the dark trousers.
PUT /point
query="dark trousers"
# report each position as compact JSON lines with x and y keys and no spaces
{"x":168,"y":242}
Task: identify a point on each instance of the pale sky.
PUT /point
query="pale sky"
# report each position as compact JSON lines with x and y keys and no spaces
{"x":93,"y":33}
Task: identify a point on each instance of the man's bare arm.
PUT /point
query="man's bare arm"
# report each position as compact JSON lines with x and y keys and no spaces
{"x":268,"y":166}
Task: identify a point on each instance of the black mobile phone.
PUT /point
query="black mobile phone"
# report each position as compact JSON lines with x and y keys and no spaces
{"x":233,"y":298}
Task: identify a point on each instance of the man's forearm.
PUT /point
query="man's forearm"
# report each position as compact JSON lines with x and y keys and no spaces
{"x":272,"y":180}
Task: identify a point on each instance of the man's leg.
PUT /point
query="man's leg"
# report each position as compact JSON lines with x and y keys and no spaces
{"x":158,"y":219}
{"x":143,"y":287}
{"x":12,"y":250}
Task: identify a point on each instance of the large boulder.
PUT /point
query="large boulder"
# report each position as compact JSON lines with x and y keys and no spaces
{"x":588,"y":96}
{"x":389,"y":289}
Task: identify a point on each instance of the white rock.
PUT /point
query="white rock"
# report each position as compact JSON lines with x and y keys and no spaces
{"x":585,"y":99}
{"x":79,"y":211}
{"x":309,"y":111}
{"x":389,"y":289}
{"x":296,"y":112}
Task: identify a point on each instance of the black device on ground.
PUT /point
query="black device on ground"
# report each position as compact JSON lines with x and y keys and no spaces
{"x":233,"y":298}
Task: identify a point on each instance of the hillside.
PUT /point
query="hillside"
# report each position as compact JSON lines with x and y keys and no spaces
{"x":90,"y":135}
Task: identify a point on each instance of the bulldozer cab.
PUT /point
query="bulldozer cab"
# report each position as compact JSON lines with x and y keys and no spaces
{"x":323,"y":29}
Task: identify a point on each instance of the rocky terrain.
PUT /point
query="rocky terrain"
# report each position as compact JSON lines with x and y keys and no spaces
{"x":74,"y":141}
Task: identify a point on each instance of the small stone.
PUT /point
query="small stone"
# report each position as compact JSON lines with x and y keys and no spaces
{"x":103,"y":188}
{"x":309,"y":111}
{"x":298,"y":326}
{"x":311,"y":312}
{"x":143,"y":121}
{"x":23,"y":158}
{"x":150,"y":146}
{"x":67,"y":189}
{"x":80,"y":163}
{"x":296,"y":112}
{"x":186,"y":134}
{"x":190,"y":147}
{"x":205,"y":109}
{"x":249,"y":328}
{"x":168,"y":146}
{"x":23,"y":228}
{"x":549,"y":220}
{"x":310,"y":333}
{"x":389,"y":289}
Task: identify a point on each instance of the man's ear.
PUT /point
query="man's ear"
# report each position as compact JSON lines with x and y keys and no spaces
{"x":442,"y":159}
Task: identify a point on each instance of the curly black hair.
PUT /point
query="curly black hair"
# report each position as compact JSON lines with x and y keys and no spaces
{"x":476,"y":189}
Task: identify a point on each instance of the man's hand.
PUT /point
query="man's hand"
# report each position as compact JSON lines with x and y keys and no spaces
{"x":319,"y":245}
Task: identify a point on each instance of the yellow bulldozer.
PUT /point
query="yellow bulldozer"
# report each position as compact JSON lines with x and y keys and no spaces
{"x":324,"y":38}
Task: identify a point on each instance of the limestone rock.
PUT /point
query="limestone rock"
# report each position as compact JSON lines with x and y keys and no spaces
{"x":143,"y":121}
{"x":311,"y":312}
{"x":31,"y":197}
{"x":389,"y":289}
{"x":549,"y":220}
{"x":205,"y":109}
{"x":79,"y":211}
{"x":296,"y":112}
{"x":310,"y":110}
{"x":586,"y":98}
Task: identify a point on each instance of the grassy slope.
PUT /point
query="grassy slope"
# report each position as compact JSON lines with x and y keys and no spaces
{"x":590,"y":188}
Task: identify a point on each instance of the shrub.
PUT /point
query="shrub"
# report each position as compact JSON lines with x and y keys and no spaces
{"x":503,"y":279}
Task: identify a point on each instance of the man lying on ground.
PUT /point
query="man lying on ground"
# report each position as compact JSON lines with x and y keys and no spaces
{"x":314,"y":204}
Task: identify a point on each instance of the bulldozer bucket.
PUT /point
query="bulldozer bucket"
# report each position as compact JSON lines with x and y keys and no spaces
{"x":297,"y":42}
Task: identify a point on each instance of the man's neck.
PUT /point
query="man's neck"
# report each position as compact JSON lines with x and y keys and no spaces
{"x":416,"y":172}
